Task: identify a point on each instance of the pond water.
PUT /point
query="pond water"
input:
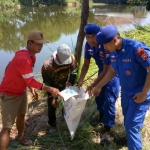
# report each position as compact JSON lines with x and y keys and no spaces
{"x":59,"y":25}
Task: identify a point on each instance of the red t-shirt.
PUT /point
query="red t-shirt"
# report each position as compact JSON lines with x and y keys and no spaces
{"x":19,"y":74}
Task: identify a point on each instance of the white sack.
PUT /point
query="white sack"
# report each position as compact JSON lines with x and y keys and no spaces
{"x":74,"y":104}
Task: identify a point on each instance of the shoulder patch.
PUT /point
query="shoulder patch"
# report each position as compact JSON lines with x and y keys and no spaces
{"x":141,"y":52}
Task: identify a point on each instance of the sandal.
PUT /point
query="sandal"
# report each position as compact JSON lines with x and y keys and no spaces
{"x":25,"y":142}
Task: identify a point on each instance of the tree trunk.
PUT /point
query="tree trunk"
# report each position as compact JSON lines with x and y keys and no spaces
{"x":81,"y":34}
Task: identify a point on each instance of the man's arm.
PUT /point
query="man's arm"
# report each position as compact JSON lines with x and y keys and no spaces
{"x":109,"y":75}
{"x":54,"y":91}
{"x":84,"y":70}
{"x":25,"y":69}
{"x":141,"y":96}
{"x":102,"y":74}
{"x":142,"y":55}
{"x":146,"y":87}
{"x":106,"y":67}
{"x":34,"y":93}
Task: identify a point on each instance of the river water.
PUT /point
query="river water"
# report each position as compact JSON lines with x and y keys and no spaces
{"x":59,"y":25}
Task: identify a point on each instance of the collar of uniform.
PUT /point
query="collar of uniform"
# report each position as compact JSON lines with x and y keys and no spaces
{"x":122,"y":50}
{"x":95,"y":49}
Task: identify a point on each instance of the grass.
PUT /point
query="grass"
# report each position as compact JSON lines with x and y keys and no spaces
{"x":87,"y":137}
{"x":140,"y":33}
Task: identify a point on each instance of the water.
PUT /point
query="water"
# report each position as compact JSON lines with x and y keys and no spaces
{"x":59,"y":25}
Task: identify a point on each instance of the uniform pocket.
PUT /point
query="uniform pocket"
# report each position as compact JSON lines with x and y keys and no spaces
{"x":127,"y":69}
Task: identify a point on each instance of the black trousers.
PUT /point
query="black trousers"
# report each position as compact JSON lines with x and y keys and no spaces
{"x":51,"y":111}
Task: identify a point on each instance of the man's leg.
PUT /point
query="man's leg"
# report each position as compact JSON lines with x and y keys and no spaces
{"x":100,"y":100}
{"x":20,"y":121}
{"x":109,"y":108}
{"x":124,"y":104}
{"x":4,"y":138}
{"x":9,"y":109}
{"x":109,"y":115}
{"x":133,"y":123}
{"x":51,"y":112}
{"x":20,"y":124}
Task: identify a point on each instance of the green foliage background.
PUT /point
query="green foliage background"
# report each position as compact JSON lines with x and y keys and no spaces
{"x":13,"y":3}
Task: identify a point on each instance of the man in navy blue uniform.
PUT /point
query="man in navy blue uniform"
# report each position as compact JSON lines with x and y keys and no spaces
{"x":130,"y":59}
{"x":109,"y":94}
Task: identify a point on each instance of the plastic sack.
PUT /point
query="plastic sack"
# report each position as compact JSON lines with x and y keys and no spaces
{"x":74,"y":104}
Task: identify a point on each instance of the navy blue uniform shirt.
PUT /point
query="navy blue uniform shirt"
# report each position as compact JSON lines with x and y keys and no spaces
{"x":99,"y":54}
{"x":130,"y":63}
{"x":101,"y":58}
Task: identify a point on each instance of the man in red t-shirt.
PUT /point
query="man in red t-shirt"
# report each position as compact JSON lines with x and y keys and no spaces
{"x":18,"y":76}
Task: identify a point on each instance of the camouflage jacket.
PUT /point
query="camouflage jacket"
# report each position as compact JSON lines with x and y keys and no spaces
{"x":58,"y":75}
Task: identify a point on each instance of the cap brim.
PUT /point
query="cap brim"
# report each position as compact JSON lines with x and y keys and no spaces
{"x":41,"y":41}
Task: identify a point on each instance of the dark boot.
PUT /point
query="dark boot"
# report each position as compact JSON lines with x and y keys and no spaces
{"x":106,"y":135}
{"x":120,"y":140}
{"x":106,"y":129}
{"x":100,"y":117}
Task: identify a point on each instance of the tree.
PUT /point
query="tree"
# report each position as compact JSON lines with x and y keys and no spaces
{"x":81,"y":34}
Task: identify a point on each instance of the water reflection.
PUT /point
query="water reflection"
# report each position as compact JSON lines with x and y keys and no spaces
{"x":59,"y":25}
{"x":53,"y":22}
{"x":122,"y":15}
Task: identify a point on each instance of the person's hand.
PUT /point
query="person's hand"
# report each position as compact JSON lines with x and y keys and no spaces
{"x":68,"y":84}
{"x":46,"y":64}
{"x":140,"y":97}
{"x":96,"y":90}
{"x":34,"y":94}
{"x":55,"y":92}
{"x":80,"y":84}
{"x":55,"y":103}
{"x":89,"y":90}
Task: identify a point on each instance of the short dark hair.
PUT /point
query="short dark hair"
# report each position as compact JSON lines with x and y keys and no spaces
{"x":30,"y":41}
{"x":118,"y":35}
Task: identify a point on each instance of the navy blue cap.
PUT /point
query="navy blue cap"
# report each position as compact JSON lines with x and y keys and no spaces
{"x":91,"y":28}
{"x":106,"y":34}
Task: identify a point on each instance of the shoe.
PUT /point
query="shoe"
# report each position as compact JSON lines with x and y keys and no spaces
{"x":96,"y":123}
{"x":24,"y":141}
{"x":120,"y":140}
{"x":52,"y":130}
{"x":106,"y":129}
{"x":105,"y":139}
